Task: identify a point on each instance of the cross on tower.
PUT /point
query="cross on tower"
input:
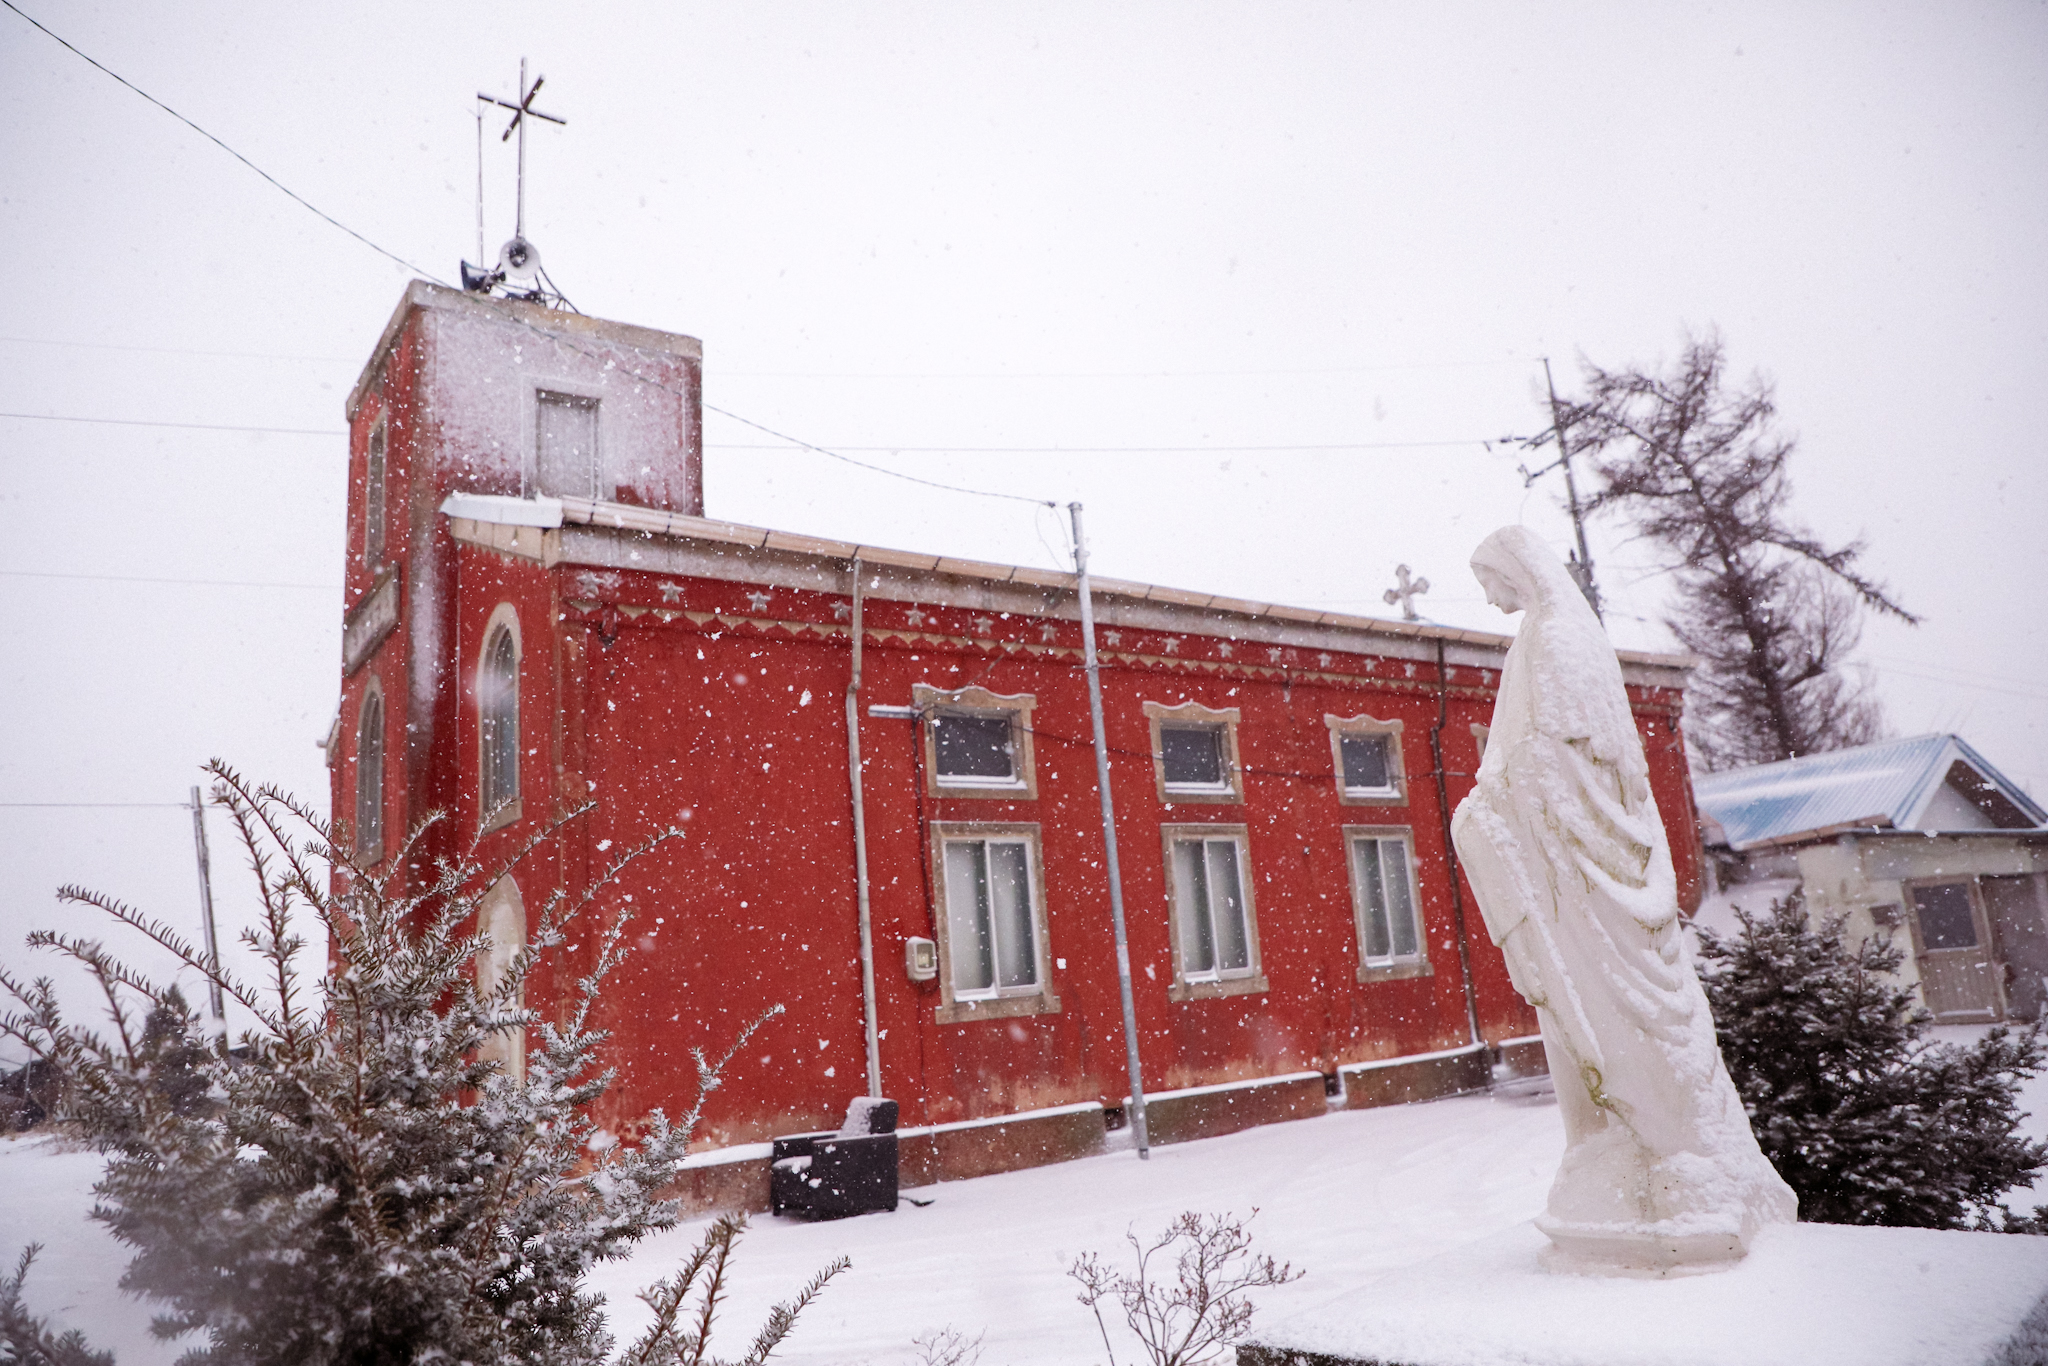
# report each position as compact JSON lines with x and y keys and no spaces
{"x":520,"y":112}
{"x":1406,"y":593}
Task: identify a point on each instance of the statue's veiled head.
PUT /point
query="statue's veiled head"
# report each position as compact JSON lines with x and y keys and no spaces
{"x":1519,"y":572}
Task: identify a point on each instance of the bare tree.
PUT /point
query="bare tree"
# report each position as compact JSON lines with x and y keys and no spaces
{"x":1699,"y":467}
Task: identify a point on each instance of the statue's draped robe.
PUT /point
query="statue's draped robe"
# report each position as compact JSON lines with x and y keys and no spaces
{"x":1562,"y":842}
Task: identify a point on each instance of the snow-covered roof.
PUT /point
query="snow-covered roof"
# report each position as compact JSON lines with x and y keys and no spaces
{"x":543,"y":528}
{"x":1925,"y":783}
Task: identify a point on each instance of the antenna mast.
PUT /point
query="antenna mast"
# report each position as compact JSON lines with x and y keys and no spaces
{"x":518,"y":270}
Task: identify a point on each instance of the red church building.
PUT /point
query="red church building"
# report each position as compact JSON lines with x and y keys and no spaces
{"x":540,"y":616}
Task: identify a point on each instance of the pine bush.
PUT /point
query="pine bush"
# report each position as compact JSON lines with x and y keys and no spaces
{"x":1867,"y":1120}
{"x":357,"y":1180}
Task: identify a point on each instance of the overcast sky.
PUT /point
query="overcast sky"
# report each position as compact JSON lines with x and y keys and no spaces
{"x":1210,"y":230}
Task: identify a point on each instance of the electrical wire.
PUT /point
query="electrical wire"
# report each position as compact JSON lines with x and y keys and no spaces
{"x":293,"y":194}
{"x":140,"y":578}
{"x":180,"y":426}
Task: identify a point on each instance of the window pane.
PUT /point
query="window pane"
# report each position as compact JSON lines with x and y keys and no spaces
{"x":1400,"y":900}
{"x":498,"y":708}
{"x":967,"y":916}
{"x":565,"y":434}
{"x":1226,"y":907}
{"x":373,"y":498}
{"x":370,"y":781}
{"x":1191,"y":902}
{"x":1010,"y":902}
{"x":973,"y":746}
{"x":1945,"y":919}
{"x":1366,"y":763}
{"x":1372,"y":897}
{"x":1193,"y":755}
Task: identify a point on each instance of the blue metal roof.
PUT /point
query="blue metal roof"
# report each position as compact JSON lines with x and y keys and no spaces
{"x":1891,"y":783}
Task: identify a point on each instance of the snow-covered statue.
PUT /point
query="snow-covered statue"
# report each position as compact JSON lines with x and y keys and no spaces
{"x":1563,"y":845}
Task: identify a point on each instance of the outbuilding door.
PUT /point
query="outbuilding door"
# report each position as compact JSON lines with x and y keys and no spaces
{"x":2018,"y":910}
{"x":1959,"y":979}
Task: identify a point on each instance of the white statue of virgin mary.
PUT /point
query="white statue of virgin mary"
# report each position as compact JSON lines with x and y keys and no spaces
{"x":1563,"y":845}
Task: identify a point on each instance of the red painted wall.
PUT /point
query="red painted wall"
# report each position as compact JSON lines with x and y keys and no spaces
{"x":734,"y":733}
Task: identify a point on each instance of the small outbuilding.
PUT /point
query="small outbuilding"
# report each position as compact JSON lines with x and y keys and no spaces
{"x":1921,"y":834}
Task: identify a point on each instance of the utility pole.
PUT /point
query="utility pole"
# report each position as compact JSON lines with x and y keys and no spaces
{"x":1582,"y":567}
{"x":206,"y":909}
{"x":1116,"y":882}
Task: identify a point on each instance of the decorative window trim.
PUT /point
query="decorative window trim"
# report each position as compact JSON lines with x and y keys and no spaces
{"x":506,"y":1046}
{"x":376,"y":493}
{"x":1160,"y":715}
{"x":529,"y":480}
{"x":1245,"y":982}
{"x":368,"y":855}
{"x":1395,"y":969}
{"x":1043,"y":1001}
{"x":975,"y":701}
{"x":1362,"y":724}
{"x":503,"y":617}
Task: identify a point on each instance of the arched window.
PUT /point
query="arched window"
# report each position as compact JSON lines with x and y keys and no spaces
{"x":497,"y":689}
{"x":369,"y":841}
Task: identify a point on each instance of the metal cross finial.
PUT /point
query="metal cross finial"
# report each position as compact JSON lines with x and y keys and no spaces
{"x":520,"y":111}
{"x":1406,"y":593}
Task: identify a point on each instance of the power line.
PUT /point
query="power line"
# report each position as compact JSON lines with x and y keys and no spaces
{"x":181,"y":426}
{"x":1115,"y":374}
{"x":556,"y":336}
{"x":93,"y":806}
{"x":175,"y":350}
{"x":1111,"y":450}
{"x":878,"y":469}
{"x":320,"y":213}
{"x":139,"y":578}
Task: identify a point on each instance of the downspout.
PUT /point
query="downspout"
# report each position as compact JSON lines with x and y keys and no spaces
{"x":1443,"y":810}
{"x":860,"y":852}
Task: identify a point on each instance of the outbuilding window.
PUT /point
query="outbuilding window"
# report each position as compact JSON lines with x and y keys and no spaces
{"x":1390,"y":941}
{"x":497,"y":696}
{"x":992,"y":921}
{"x":369,"y":832}
{"x":1215,"y":931}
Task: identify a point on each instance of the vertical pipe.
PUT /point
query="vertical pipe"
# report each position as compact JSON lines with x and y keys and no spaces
{"x":206,"y":908}
{"x":1443,"y":810}
{"x":860,"y":852}
{"x":1116,"y":882}
{"x":519,"y":215}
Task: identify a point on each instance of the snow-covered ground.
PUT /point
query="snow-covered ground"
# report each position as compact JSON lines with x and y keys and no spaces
{"x":1342,"y":1197}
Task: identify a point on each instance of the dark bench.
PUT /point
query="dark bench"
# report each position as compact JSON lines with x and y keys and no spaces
{"x":831,"y":1175}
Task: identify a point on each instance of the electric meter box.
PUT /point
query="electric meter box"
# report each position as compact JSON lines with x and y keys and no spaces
{"x":920,"y":959}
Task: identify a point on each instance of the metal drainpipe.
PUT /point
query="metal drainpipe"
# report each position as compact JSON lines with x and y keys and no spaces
{"x":860,"y":852}
{"x":1443,"y":810}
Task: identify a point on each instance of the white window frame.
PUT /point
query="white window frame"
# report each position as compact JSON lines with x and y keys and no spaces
{"x":1224,"y":721}
{"x":1395,"y":793}
{"x":1189,"y":985}
{"x":996,"y":1002}
{"x":933,"y":703}
{"x":504,"y":621}
{"x":372,"y":724}
{"x":1390,"y":966}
